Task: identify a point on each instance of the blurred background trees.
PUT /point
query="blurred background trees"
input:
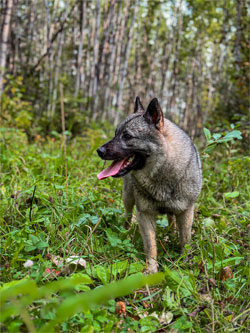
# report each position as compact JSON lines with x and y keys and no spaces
{"x":191,"y":54}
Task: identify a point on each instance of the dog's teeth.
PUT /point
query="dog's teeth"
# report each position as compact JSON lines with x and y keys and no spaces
{"x":128,"y":162}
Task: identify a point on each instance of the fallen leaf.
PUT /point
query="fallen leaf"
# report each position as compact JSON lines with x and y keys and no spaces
{"x":57,"y":260}
{"x":212,"y":282}
{"x":226,"y":273}
{"x":164,"y":318}
{"x":72,"y":260}
{"x":75,"y":260}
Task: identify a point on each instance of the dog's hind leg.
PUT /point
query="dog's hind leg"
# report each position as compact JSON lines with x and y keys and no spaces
{"x":147,"y":227}
{"x":128,"y":200}
{"x":184,"y":223}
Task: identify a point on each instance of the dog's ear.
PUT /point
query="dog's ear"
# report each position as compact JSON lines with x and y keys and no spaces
{"x":154,"y":115}
{"x":138,"y":105}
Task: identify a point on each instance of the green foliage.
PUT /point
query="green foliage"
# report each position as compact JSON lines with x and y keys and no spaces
{"x":16,"y":112}
{"x":216,"y":138}
{"x":20,"y":294}
{"x":81,"y":216}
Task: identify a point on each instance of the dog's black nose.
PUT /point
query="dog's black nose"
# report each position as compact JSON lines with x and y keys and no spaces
{"x":101,"y":151}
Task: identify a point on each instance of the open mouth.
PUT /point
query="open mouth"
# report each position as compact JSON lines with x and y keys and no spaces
{"x":120,"y":167}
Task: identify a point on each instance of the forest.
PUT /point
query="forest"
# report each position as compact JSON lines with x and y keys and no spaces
{"x":70,"y":72}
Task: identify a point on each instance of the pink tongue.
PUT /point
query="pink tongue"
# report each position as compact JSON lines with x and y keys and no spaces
{"x":112,"y":170}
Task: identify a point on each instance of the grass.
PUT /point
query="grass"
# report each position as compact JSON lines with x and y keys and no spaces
{"x":47,"y":218}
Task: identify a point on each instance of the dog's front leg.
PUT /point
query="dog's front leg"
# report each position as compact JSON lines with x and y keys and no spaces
{"x":147,"y":228}
{"x":128,"y":200}
{"x":184,"y":223}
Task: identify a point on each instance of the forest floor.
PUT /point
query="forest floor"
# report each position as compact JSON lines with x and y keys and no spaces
{"x":57,"y":224}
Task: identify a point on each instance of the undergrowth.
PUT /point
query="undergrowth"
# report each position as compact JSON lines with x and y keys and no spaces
{"x":58,"y":223}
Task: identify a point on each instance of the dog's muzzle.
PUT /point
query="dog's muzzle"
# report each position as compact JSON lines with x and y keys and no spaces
{"x":101,"y":151}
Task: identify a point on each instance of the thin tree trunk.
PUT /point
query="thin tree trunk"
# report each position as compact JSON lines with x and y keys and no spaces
{"x":189,"y":100}
{"x":4,"y":41}
{"x":237,"y":53}
{"x":166,"y":58}
{"x":125,"y":67}
{"x":94,"y":73}
{"x":119,"y":59}
{"x":79,"y":74}
{"x":50,"y":31}
{"x":31,"y":30}
{"x":176,"y":59}
{"x":53,"y":39}
{"x":104,"y":49}
{"x":112,"y":68}
{"x":110,"y":59}
{"x":58,"y":63}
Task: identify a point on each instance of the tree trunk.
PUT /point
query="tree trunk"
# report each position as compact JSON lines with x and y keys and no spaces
{"x":4,"y":41}
{"x":58,"y":63}
{"x":79,"y":74}
{"x":176,"y":59}
{"x":94,"y":72}
{"x":118,"y":57}
{"x":125,"y":67}
{"x":237,"y":53}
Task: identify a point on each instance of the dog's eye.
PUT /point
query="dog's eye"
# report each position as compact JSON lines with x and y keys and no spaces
{"x":127,"y":136}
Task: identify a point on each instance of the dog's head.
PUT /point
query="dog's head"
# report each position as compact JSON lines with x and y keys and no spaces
{"x":135,"y":139}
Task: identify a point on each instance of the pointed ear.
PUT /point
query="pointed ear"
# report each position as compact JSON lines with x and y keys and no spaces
{"x":138,"y":105}
{"x":154,"y":115}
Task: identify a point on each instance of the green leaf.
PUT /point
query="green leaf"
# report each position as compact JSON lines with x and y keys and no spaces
{"x":42,"y":245}
{"x":208,"y":222}
{"x":216,"y":136}
{"x":183,"y":323}
{"x":29,"y":248}
{"x":234,"y":134}
{"x":113,"y":238}
{"x":230,"y":136}
{"x":103,"y":274}
{"x":234,"y":194}
{"x":34,"y":239}
{"x":24,"y":287}
{"x":207,"y":133}
{"x":119,"y":267}
{"x":80,"y":278}
{"x":82,"y":302}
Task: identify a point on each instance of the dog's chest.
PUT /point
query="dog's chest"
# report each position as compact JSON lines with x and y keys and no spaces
{"x":159,"y":189}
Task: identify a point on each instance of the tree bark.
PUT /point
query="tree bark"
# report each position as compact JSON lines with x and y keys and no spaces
{"x":118,"y":57}
{"x":79,"y":73}
{"x":237,"y":52}
{"x":125,"y":67}
{"x":95,"y":67}
{"x":176,"y":58}
{"x":58,"y":63}
{"x":4,"y":41}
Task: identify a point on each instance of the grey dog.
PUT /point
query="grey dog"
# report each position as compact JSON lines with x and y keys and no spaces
{"x":162,"y":173}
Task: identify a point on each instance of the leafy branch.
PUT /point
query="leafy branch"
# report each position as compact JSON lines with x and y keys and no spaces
{"x":212,"y":140}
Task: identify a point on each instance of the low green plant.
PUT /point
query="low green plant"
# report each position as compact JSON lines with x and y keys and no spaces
{"x":49,"y":216}
{"x":18,"y":295}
